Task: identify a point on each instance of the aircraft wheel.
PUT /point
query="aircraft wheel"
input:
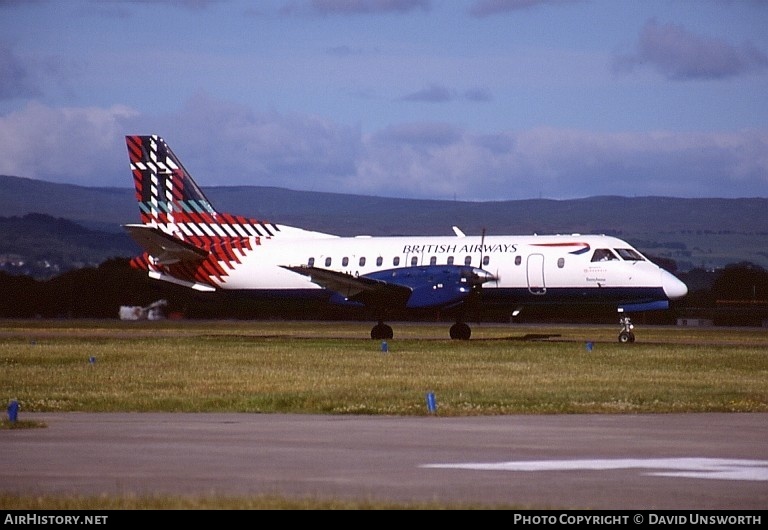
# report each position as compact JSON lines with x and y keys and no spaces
{"x":626,"y":336}
{"x":460,"y":331}
{"x":382,"y":331}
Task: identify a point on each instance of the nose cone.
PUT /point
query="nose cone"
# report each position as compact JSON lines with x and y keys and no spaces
{"x":673,"y":287}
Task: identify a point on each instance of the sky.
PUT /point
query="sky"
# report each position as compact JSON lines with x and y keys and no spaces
{"x":471,"y":100}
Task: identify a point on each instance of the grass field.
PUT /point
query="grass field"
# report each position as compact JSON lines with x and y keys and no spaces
{"x":332,"y":368}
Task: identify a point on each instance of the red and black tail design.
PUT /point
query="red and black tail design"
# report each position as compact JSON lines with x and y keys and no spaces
{"x":186,"y":240}
{"x":163,"y":187}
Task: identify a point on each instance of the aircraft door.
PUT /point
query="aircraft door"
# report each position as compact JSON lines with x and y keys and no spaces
{"x":535,"y":270}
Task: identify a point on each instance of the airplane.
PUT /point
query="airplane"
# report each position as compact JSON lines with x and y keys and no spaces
{"x":186,"y":241}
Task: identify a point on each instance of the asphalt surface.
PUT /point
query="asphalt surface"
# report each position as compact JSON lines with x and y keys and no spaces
{"x":665,"y":461}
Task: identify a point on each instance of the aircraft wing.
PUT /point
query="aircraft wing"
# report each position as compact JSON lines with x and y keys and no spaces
{"x":164,"y":248}
{"x":357,"y":288}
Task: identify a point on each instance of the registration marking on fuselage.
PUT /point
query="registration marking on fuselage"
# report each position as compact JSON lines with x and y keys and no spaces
{"x":703,"y":468}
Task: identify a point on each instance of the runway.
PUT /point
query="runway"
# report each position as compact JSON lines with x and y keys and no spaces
{"x":713,"y":461}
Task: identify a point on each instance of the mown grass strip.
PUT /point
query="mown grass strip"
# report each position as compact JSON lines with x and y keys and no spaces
{"x":322,"y":368}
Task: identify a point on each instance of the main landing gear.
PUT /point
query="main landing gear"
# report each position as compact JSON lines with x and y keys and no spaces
{"x":460,"y":331}
{"x":381,"y":331}
{"x":626,"y":334}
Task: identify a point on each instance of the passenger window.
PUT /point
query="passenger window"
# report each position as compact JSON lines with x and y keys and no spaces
{"x":450,"y":260}
{"x":433,"y":260}
{"x":327,"y":262}
{"x":603,"y":254}
{"x":468,"y":260}
{"x":486,"y":260}
{"x":362,"y":261}
{"x":344,"y":261}
{"x":414,"y":261}
{"x":518,"y":260}
{"x":379,"y":261}
{"x":561,"y":263}
{"x":311,"y":262}
{"x":396,"y":261}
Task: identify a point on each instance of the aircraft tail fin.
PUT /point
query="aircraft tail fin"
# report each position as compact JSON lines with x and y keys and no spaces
{"x":186,"y":240}
{"x":163,"y":186}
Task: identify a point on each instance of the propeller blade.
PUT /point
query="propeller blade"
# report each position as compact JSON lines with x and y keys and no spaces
{"x":482,"y":247}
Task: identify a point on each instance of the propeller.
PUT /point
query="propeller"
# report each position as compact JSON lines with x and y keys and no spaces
{"x":486,"y":276}
{"x":482,"y":246}
{"x":478,"y":275}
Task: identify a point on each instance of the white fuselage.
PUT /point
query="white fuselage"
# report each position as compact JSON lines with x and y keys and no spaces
{"x":536,"y":264}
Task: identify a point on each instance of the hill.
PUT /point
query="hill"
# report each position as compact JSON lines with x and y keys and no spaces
{"x":695,"y":233}
{"x":43,"y":247}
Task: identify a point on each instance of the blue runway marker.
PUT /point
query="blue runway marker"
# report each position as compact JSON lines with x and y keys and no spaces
{"x":431,"y":404}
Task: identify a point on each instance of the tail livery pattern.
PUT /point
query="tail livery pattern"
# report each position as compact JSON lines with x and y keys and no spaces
{"x":189,"y":242}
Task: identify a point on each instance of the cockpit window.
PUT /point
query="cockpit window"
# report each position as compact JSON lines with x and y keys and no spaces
{"x":629,"y":254}
{"x":603,"y":254}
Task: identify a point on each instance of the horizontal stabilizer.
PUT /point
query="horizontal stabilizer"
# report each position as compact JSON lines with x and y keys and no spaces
{"x":197,"y":286}
{"x":164,"y":248}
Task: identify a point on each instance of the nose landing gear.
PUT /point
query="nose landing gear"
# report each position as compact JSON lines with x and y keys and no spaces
{"x":626,"y":334}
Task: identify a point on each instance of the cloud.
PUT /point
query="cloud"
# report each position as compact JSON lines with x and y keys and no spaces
{"x":226,"y":144}
{"x":26,"y":77}
{"x":231,"y":144}
{"x":11,"y":3}
{"x":680,"y":55}
{"x":16,"y":78}
{"x":193,"y":5}
{"x":436,"y":93}
{"x":355,"y":7}
{"x":369,"y":6}
{"x":75,"y":145}
{"x":478,"y":94}
{"x":414,"y":135}
{"x":558,"y":163}
{"x":127,"y":8}
{"x":432,"y":94}
{"x":483,"y":8}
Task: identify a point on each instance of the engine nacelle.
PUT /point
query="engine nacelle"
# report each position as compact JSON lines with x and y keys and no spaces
{"x":435,"y":285}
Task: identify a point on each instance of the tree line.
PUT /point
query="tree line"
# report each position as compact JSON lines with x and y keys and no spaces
{"x":734,"y":295}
